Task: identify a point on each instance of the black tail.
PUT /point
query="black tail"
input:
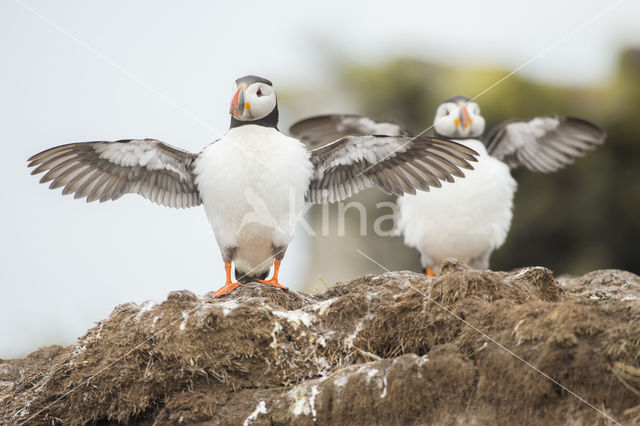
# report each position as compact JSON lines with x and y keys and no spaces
{"x":243,"y":277}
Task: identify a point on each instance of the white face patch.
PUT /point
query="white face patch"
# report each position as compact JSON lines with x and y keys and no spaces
{"x":259,"y":101}
{"x":444,"y":122}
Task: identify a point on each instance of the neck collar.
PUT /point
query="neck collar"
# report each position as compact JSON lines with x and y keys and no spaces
{"x":270,"y":120}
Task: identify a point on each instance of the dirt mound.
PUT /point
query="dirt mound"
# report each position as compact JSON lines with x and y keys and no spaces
{"x":466,"y":346}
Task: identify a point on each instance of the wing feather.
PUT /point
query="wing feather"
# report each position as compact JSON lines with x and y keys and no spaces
{"x":429,"y":166}
{"x":88,"y":183}
{"x":543,"y":144}
{"x":108,"y":170}
{"x":395,"y":164}
{"x":320,"y":130}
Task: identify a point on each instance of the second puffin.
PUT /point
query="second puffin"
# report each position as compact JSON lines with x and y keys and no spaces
{"x":472,"y":217}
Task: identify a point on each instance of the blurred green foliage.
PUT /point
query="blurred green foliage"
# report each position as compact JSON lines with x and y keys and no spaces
{"x":582,"y":218}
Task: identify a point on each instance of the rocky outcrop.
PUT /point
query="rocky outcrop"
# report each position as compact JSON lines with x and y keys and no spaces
{"x":466,"y":346}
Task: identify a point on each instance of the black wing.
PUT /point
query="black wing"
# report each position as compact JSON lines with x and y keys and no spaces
{"x":543,"y":144}
{"x":320,"y":130}
{"x":108,"y":170}
{"x":395,"y":164}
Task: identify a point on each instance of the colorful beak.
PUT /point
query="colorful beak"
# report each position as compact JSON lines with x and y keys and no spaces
{"x":237,"y":103}
{"x":465,"y":120}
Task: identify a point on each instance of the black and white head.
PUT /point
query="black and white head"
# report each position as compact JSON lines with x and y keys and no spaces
{"x":458,"y":117}
{"x":254,"y":102}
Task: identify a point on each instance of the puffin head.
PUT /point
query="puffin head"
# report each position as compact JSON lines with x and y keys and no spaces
{"x":254,"y":102}
{"x":458,"y":117}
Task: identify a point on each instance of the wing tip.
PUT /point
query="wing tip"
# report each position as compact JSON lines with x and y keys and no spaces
{"x":594,"y":128}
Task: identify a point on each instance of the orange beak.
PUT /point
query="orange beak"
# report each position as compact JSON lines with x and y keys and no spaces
{"x":465,"y":120}
{"x":237,"y":103}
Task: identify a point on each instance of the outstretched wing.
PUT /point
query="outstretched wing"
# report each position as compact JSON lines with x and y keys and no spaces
{"x":320,"y":130}
{"x":108,"y":170}
{"x":395,"y":164}
{"x":543,"y":144}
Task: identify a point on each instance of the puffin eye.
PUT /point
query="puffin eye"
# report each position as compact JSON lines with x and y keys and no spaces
{"x":259,"y":92}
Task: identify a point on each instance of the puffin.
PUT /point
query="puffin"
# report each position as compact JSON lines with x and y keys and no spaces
{"x":472,"y":218}
{"x":253,"y":182}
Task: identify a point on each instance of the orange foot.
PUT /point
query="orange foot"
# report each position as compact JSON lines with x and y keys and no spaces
{"x":273,"y":282}
{"x":229,"y":286}
{"x":430,"y":272}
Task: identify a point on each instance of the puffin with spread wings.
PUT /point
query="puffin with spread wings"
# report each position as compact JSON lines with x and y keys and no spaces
{"x":471,"y":218}
{"x":255,"y":181}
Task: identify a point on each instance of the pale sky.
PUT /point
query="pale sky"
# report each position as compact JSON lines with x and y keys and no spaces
{"x":87,"y":71}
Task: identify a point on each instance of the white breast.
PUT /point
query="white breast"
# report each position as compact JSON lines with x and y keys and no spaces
{"x":252,"y":183}
{"x":464,"y":219}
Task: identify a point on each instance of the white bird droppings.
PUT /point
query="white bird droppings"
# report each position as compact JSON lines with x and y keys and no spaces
{"x":424,"y":359}
{"x":260,"y":409}
{"x":296,"y":317}
{"x":305,"y":401}
{"x":155,"y":320}
{"x":384,"y":386}
{"x":228,"y":306}
{"x":185,"y":315}
{"x":340,"y":381}
{"x":276,"y":328}
{"x":300,"y":405}
{"x":312,"y":402}
{"x":145,"y":307}
{"x":349,"y":339}
{"x":321,"y":307}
